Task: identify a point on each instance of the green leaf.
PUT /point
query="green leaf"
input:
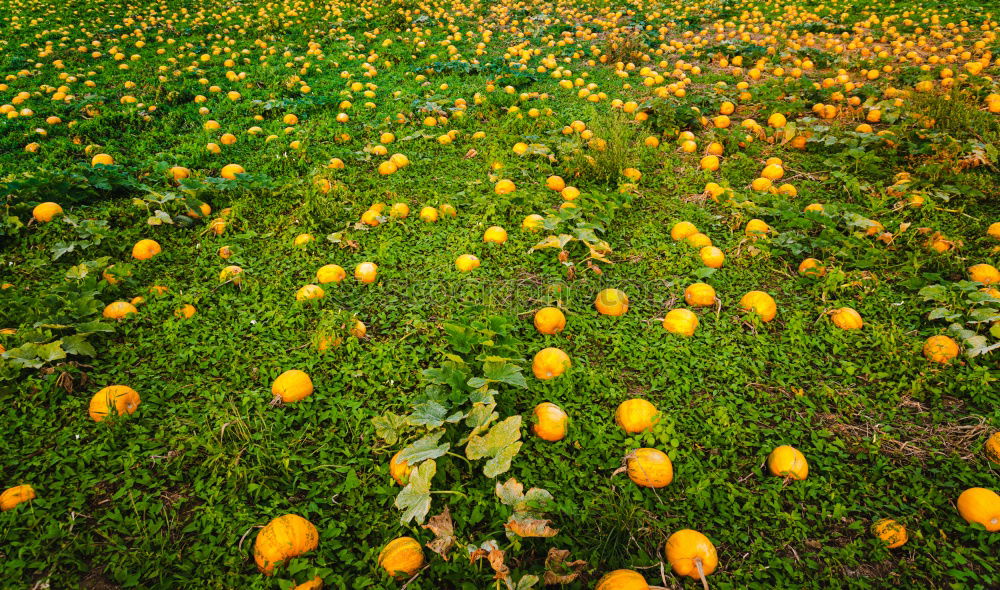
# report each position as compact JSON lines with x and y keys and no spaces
{"x":479,"y":419}
{"x":500,"y":445}
{"x":425,"y":448}
{"x":77,"y":344}
{"x":527,"y":581}
{"x":415,"y":499}
{"x":933,"y":293}
{"x":389,"y":427}
{"x":505,"y":372}
{"x":431,"y":414}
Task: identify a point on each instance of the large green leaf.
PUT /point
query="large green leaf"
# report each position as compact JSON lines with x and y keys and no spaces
{"x":425,"y":448}
{"x":415,"y":499}
{"x":499,"y":446}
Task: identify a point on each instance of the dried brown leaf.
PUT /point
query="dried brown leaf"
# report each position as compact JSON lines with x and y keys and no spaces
{"x":530,"y":527}
{"x":558,"y":570}
{"x":444,"y":533}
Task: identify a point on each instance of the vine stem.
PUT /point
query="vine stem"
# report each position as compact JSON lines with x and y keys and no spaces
{"x":701,"y":572}
{"x":467,"y":462}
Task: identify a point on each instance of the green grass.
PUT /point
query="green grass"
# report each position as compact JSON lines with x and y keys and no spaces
{"x":173,"y":495}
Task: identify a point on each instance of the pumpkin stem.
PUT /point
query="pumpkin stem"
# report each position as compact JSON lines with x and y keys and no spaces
{"x":701,"y":572}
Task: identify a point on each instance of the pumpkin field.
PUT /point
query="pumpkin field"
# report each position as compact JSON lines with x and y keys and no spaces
{"x":434,"y":294}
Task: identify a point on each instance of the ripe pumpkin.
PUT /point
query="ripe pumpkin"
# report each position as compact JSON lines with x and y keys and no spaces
{"x":102,"y":159}
{"x":145,"y":249}
{"x":313,"y":584}
{"x":636,"y":415}
{"x":429,"y":214}
{"x":686,"y":549}
{"x":760,"y":303}
{"x":682,"y":229}
{"x":122,"y":398}
{"x":309,"y":292}
{"x":229,"y":171}
{"x":984,"y":273}
{"x":756,"y":229}
{"x":550,"y":363}
{"x":119,"y":310}
{"x":681,"y":321}
{"x":495,"y":235}
{"x":786,"y":461}
{"x":940,"y":349}
{"x":366,"y":272}
{"x":231,"y":273}
{"x":982,"y":506}
{"x":846,"y":318}
{"x":699,"y":295}
{"x":612,"y":302}
{"x":330,"y":273}
{"x":283,"y":538}
{"x":504,"y":187}
{"x":399,"y":211}
{"x":466,"y":263}
{"x":550,"y":422}
{"x":549,"y":320}
{"x":992,"y":448}
{"x":293,"y":385}
{"x":890,"y":532}
{"x":712,"y":257}
{"x":399,"y":469}
{"x":810,"y":267}
{"x":622,"y":580}
{"x":650,"y":468}
{"x":401,"y":557}
{"x":11,"y":497}
{"x":533,"y":222}
{"x":44,"y":212}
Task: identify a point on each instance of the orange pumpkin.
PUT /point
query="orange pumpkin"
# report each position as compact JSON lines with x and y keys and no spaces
{"x":549,"y":320}
{"x":119,"y":310}
{"x":550,"y":422}
{"x":550,"y":363}
{"x":890,"y":532}
{"x":145,"y":249}
{"x":366,"y":272}
{"x":622,"y":580}
{"x":330,"y":273}
{"x":786,"y":461}
{"x":313,"y":584}
{"x":293,"y":385}
{"x":992,"y":448}
{"x":760,"y":303}
{"x":687,"y":549}
{"x":980,"y":505}
{"x":699,"y":295}
{"x":636,"y":415}
{"x":650,"y":468}
{"x":846,"y":318}
{"x":401,"y":557}
{"x":122,"y":398}
{"x":44,"y":212}
{"x":611,"y":302}
{"x":283,"y":538}
{"x":940,"y":349}
{"x":399,"y":469}
{"x":681,"y":321}
{"x":11,"y":497}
